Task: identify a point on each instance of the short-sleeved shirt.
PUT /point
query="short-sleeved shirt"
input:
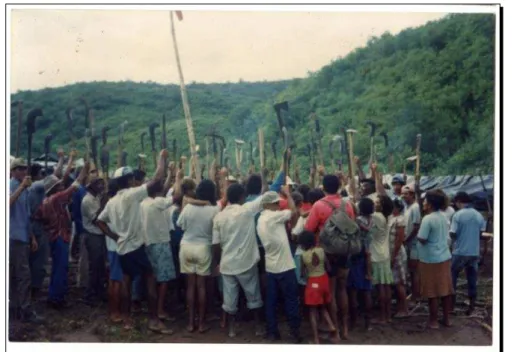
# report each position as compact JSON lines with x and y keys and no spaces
{"x":19,"y":214}
{"x":234,"y":231}
{"x":54,"y":214}
{"x":89,"y":209}
{"x":433,"y":229}
{"x":197,"y":223}
{"x":321,"y":211}
{"x":273,"y":235}
{"x":395,"y":222}
{"x":154,"y":219}
{"x":123,"y":211}
{"x":379,"y":235}
{"x":412,"y":216}
{"x":467,"y":224}
{"x":314,"y":268}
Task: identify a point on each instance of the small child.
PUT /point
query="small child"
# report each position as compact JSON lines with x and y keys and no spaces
{"x":317,"y":291}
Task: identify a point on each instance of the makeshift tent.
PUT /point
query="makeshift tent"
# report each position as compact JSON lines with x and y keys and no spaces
{"x":453,"y":184}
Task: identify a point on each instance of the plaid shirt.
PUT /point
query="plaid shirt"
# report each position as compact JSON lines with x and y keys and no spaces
{"x":55,"y":216}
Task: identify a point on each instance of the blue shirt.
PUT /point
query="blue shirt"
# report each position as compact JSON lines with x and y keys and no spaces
{"x":19,"y":214}
{"x":277,"y":184}
{"x":434,"y":229}
{"x":36,"y":197}
{"x":76,"y":213}
{"x":467,"y":224}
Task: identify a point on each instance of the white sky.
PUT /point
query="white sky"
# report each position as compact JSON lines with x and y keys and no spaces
{"x":51,"y":48}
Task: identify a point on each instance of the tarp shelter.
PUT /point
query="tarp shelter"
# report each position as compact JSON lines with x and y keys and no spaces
{"x":453,"y":184}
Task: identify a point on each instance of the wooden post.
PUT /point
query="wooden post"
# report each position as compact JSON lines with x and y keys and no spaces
{"x":185,"y":103}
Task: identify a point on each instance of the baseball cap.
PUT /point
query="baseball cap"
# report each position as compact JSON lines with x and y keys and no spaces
{"x":231,"y":178}
{"x":398,"y":178}
{"x":123,"y":171}
{"x":18,"y":162}
{"x":270,"y":197}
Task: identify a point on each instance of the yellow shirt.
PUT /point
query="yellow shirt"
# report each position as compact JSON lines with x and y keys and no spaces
{"x":314,"y":268}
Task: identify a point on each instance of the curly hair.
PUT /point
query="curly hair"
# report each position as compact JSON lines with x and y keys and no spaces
{"x":206,"y":190}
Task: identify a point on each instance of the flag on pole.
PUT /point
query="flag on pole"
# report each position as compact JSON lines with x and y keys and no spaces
{"x":179,"y":15}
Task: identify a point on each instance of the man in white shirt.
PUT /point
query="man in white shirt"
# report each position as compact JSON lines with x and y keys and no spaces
{"x":123,"y":211}
{"x":235,"y":243}
{"x":94,"y":240}
{"x":280,"y":266}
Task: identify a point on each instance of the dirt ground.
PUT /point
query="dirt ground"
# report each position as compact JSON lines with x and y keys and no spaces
{"x":82,"y":323}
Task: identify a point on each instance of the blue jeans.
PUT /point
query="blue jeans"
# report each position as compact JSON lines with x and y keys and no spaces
{"x":470,"y":264}
{"x":38,"y":261}
{"x":288,"y":285}
{"x":59,"y":276}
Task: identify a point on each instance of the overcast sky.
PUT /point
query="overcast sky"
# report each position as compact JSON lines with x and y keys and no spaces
{"x":51,"y":48}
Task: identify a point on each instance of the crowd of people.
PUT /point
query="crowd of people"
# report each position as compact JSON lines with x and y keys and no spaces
{"x":242,"y":239}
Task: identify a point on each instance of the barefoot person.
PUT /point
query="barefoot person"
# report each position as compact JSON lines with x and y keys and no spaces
{"x":236,"y":252}
{"x":124,"y":212}
{"x":115,"y":271}
{"x":317,"y":289}
{"x":380,"y":255}
{"x":154,"y":217}
{"x":338,"y":274}
{"x":412,"y":217}
{"x":396,"y":226}
{"x":435,"y":259}
{"x":196,"y":250}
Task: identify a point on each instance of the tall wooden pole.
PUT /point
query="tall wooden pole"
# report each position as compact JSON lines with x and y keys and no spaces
{"x":185,"y":103}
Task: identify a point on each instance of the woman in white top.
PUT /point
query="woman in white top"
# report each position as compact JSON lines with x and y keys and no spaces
{"x":195,"y":249}
{"x":380,"y":255}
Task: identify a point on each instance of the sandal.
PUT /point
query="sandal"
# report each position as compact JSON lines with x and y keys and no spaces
{"x":160,"y":329}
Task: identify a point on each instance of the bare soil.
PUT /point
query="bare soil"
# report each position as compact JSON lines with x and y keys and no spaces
{"x":81,"y":323}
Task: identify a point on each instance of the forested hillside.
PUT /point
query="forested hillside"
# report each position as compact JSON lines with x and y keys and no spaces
{"x":437,"y":80}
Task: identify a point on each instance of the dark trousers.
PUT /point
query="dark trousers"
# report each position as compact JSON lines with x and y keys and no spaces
{"x":470,"y":264}
{"x":96,"y":252}
{"x":19,"y":273}
{"x":286,"y":285}
{"x":38,"y":261}
{"x":59,"y":275}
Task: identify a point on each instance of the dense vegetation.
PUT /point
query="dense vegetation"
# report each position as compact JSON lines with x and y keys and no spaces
{"x":437,"y":80}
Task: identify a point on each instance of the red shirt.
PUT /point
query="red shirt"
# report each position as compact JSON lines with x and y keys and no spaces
{"x":55,"y":216}
{"x":321,"y":211}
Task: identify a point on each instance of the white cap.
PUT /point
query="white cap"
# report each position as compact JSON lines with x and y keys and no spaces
{"x":123,"y":171}
{"x":231,"y":178}
{"x":270,"y":197}
{"x":289,"y":182}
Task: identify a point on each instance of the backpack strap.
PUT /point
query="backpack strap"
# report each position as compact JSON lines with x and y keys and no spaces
{"x":334,"y":208}
{"x":329,"y":204}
